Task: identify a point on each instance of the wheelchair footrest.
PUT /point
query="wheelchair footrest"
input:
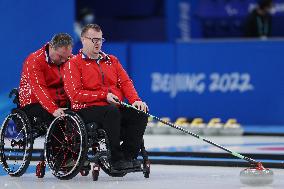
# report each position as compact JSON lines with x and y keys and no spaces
{"x":124,"y":171}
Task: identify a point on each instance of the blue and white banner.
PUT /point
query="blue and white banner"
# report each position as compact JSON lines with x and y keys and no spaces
{"x":243,"y":80}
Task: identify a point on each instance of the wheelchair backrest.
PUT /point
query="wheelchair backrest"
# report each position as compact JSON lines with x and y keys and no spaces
{"x":14,"y":92}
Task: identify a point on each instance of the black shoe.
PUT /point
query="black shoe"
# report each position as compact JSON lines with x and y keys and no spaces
{"x":122,"y":165}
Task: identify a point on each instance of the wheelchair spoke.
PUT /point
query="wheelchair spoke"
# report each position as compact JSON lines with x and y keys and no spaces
{"x":20,"y":130}
{"x":64,"y":160}
{"x":19,"y":133}
{"x":71,"y":150}
{"x":74,"y":132}
{"x":60,"y":149}
{"x":60,"y":126}
{"x":57,"y":138}
{"x":75,"y":144}
{"x":65,"y":125}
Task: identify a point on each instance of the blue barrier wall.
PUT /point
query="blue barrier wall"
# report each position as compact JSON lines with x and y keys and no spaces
{"x":243,"y":80}
{"x":25,"y":27}
{"x":120,"y":50}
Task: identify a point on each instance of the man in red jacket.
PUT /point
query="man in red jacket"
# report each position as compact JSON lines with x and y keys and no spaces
{"x":41,"y":91}
{"x":93,"y":82}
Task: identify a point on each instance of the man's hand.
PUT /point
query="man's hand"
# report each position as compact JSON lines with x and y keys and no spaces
{"x":112,"y":99}
{"x":141,"y":106}
{"x":59,"y":112}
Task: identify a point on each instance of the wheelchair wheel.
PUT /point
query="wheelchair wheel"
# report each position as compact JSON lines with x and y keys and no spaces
{"x":104,"y":155}
{"x":66,"y":146}
{"x":16,"y":143}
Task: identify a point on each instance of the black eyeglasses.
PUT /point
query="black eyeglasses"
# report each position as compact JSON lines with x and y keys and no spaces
{"x":96,"y":40}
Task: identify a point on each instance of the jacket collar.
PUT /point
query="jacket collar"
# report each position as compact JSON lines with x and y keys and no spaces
{"x":46,"y":52}
{"x":102,"y":56}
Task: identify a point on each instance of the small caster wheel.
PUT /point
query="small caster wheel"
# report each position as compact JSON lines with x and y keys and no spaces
{"x":146,"y":169}
{"x":40,"y":169}
{"x":95,"y":175}
{"x":95,"y":172}
{"x":146,"y":175}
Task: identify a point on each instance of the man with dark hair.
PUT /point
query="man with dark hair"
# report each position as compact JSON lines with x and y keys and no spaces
{"x":258,"y":23}
{"x":94,"y":81}
{"x":41,"y":91}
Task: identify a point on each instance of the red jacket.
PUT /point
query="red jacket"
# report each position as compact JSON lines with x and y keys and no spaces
{"x":42,"y":82}
{"x":88,"y":81}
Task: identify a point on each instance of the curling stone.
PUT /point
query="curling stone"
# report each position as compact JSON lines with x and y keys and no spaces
{"x":232,"y":128}
{"x":181,"y":122}
{"x":257,"y":176}
{"x":213,"y":127}
{"x":197,"y":125}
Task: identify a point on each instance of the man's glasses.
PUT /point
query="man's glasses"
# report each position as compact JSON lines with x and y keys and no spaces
{"x":96,"y":40}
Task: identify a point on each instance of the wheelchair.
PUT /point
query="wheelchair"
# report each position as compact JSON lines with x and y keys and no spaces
{"x":70,"y":143}
{"x":17,"y":136}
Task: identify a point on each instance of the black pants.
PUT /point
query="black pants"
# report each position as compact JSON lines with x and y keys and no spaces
{"x":37,"y":111}
{"x":120,"y":124}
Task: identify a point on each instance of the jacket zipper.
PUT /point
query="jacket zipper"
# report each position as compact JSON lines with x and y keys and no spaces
{"x":61,"y":81}
{"x":103,"y":75}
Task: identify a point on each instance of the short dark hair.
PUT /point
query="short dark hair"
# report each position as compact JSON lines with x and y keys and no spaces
{"x":61,"y":40}
{"x":90,"y":26}
{"x":264,"y":3}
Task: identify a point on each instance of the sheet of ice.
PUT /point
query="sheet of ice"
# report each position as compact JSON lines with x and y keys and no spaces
{"x":162,"y":177}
